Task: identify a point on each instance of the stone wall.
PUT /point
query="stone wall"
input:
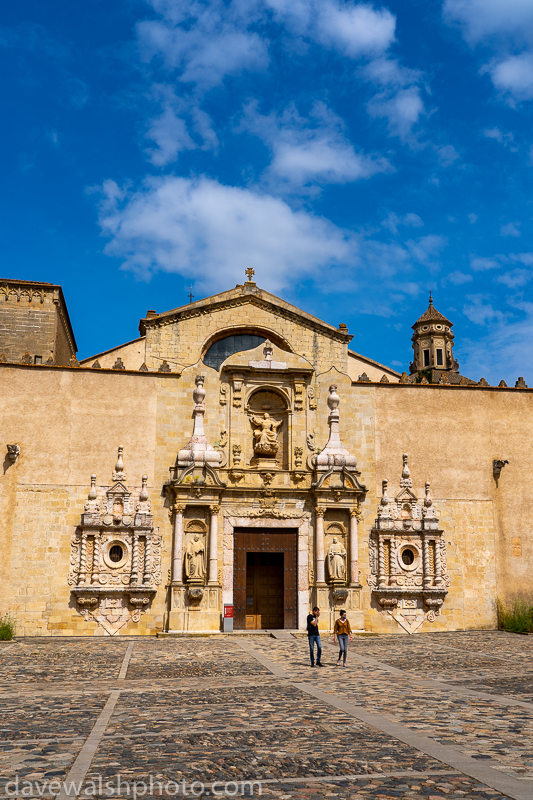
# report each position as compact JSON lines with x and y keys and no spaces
{"x":69,"y":422}
{"x":33,"y":319}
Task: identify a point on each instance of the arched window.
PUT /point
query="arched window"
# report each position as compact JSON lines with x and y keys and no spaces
{"x":219,"y":351}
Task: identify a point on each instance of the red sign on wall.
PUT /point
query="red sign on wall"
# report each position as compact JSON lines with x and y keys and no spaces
{"x":228,"y":612}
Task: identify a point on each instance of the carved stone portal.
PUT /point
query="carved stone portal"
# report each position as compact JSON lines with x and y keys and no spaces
{"x":115,"y":554}
{"x":408,"y":557}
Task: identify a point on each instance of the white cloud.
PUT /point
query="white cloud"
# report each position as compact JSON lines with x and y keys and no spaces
{"x":458,"y":278}
{"x":201,"y":228}
{"x":514,"y":278}
{"x":392,"y":221}
{"x":496,"y":133}
{"x":473,"y":218}
{"x":447,"y":155}
{"x":482,"y":263}
{"x":402,"y":109}
{"x":307,"y":150}
{"x":483,"y":19}
{"x":170,"y":129}
{"x":514,"y":76}
{"x":507,"y":27}
{"x":523,"y":258}
{"x":480,"y":311}
{"x":353,"y":29}
{"x":203,"y":42}
{"x":511,"y":229}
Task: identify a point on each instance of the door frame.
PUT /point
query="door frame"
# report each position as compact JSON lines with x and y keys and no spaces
{"x":302,"y":527}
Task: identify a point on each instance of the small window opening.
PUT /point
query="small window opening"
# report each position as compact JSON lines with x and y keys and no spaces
{"x":116,"y":553}
{"x":440,"y":362}
{"x":426,"y":358}
{"x":408,"y":556}
{"x":37,"y":359}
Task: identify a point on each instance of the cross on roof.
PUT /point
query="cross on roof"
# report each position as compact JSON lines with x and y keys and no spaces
{"x":250,"y":273}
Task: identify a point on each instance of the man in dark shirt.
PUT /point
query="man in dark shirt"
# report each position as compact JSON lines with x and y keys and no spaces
{"x":314,"y":637}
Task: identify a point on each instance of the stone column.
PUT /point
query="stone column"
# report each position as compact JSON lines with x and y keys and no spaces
{"x":354,"y":546}
{"x":213,"y":546}
{"x":319,"y":544}
{"x":438,"y":564}
{"x":425,"y":560}
{"x":177,"y":555}
{"x":96,"y":559}
{"x":82,"y":577}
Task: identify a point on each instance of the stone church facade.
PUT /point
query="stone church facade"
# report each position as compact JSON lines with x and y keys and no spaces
{"x":239,"y":458}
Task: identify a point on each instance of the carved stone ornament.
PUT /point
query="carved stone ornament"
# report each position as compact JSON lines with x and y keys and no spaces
{"x":265,"y":435}
{"x":198,"y":452}
{"x":408,"y":557}
{"x":334,"y":455}
{"x":336,"y":561}
{"x":115,"y":556}
{"x":13,"y":452}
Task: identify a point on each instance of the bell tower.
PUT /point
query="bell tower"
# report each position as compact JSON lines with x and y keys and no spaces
{"x":433,"y":342}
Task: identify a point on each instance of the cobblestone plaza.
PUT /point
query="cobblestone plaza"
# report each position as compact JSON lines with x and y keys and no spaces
{"x":432,"y":716}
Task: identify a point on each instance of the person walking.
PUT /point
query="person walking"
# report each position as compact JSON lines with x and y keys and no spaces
{"x":341,"y":632}
{"x":314,"y":637}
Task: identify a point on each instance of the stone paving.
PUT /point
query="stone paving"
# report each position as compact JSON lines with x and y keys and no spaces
{"x":426,"y":716}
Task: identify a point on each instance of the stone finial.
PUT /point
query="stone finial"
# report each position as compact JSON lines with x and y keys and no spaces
{"x":92,"y":505}
{"x":164,"y":367}
{"x":50,"y":361}
{"x":521,"y":384}
{"x":96,"y":365}
{"x":119,"y":473}
{"x":384,"y":379}
{"x":424,"y":381}
{"x":3,"y":358}
{"x":13,"y":452}
{"x":73,"y":362}
{"x":428,"y":501}
{"x":144,"y":506}
{"x":144,"y":491}
{"x":483,"y":382}
{"x":403,"y":378}
{"x":143,"y":367}
{"x":119,"y":364}
{"x":198,"y":451}
{"x":445,"y":379}
{"x":334,"y":454}
{"x":363,"y":378}
{"x":502,"y":385}
{"x":26,"y":358}
{"x":405,"y":480}
{"x":383,"y":508}
{"x":268,"y":351}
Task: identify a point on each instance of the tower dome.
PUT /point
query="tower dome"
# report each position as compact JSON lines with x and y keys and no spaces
{"x":433,"y":342}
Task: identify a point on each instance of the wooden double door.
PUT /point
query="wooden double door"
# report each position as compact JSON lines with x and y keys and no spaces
{"x":264,"y":579}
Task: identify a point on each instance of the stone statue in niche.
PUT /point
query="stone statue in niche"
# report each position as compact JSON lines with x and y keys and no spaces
{"x":265,"y":435}
{"x":194,"y":560}
{"x":336,"y":561}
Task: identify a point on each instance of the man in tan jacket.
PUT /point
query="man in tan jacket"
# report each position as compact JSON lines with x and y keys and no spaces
{"x":341,"y":632}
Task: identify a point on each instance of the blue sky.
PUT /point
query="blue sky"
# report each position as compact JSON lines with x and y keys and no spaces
{"x":355,"y":155}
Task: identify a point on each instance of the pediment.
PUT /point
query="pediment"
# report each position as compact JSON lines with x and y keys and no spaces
{"x":118,"y":489}
{"x":406,"y":495}
{"x":247,"y":294}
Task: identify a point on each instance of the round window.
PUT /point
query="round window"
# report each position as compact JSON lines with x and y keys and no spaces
{"x":116,"y":553}
{"x":408,"y":556}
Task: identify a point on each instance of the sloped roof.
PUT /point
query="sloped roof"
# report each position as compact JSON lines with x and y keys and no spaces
{"x":432,"y":315}
{"x":251,"y":293}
